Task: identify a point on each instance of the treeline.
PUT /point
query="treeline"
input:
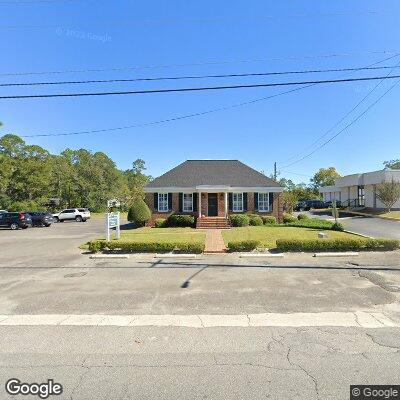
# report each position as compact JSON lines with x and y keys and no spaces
{"x":33,"y":179}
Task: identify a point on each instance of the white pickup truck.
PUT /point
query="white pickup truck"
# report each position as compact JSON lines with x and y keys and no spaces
{"x":72,"y":214}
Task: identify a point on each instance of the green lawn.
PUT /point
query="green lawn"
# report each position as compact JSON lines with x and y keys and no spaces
{"x":268,"y":235}
{"x":164,"y":235}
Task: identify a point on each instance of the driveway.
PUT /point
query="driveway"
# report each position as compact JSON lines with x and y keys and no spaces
{"x":374,"y":227}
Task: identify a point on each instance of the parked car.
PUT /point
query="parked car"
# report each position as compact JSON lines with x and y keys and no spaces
{"x":3,"y":211}
{"x":41,"y":218}
{"x":328,"y":204}
{"x":300,"y":206}
{"x":15,"y":220}
{"x":70,"y":214}
{"x":307,"y":205}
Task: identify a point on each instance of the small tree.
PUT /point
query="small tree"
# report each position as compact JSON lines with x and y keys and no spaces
{"x":289,"y":201}
{"x":139,"y":213}
{"x":388,"y":193}
{"x":335,"y":211}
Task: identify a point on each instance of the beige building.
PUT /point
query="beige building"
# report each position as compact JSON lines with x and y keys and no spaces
{"x":359,"y":190}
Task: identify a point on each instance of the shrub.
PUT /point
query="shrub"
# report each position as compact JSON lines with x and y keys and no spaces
{"x":160,"y":223}
{"x":336,"y":244}
{"x":145,"y":247}
{"x":288,"y":218}
{"x":313,"y":223}
{"x":139,"y":213}
{"x":269,"y":220}
{"x":337,"y":226}
{"x":178,"y":220}
{"x":243,"y":245}
{"x":302,"y":216}
{"x":239,"y":220}
{"x":255,"y":220}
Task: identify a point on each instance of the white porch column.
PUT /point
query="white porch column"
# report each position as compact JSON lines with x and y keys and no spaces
{"x":226,"y":205}
{"x":199,"y":204}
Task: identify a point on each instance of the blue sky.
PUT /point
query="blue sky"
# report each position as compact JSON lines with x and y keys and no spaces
{"x":164,"y":38}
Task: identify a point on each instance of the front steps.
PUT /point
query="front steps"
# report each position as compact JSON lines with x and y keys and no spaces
{"x":212,"y":223}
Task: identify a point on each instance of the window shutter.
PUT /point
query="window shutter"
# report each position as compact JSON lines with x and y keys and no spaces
{"x":244,"y":201}
{"x":271,"y":201}
{"x":169,"y":201}
{"x":156,"y":201}
{"x":180,"y":202}
{"x":195,"y":201}
{"x":230,"y":201}
{"x":255,"y":201}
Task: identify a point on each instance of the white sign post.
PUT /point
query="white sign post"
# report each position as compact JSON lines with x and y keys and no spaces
{"x":113,"y":220}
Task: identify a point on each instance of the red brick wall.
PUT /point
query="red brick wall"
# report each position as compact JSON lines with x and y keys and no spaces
{"x":277,"y":208}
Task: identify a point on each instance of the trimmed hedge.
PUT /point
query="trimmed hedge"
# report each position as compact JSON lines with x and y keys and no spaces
{"x":255,"y":220}
{"x":288,"y":218}
{"x":243,"y":245}
{"x":336,"y":244}
{"x":239,"y":220}
{"x":269,"y":220}
{"x":145,"y":247}
{"x":160,"y":223}
{"x":303,"y":216}
{"x":313,"y":223}
{"x":337,"y":226}
{"x":181,"y":221}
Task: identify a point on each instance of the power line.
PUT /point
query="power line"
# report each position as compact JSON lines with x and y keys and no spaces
{"x":347,"y":114}
{"x":197,"y":76}
{"x":345,"y":128}
{"x":220,"y":62}
{"x":162,"y":121}
{"x":167,"y":21}
{"x":186,"y":116}
{"x":195,"y":89}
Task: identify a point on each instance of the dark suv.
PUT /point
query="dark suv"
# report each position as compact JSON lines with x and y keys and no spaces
{"x":15,"y":220}
{"x":41,"y":218}
{"x":307,"y":205}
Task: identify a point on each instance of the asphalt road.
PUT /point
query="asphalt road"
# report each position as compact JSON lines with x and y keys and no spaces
{"x":214,"y":363}
{"x":44,"y":274}
{"x":374,"y":227}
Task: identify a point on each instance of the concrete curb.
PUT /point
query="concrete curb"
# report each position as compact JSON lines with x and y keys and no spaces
{"x":345,"y":254}
{"x":169,"y":255}
{"x":105,"y":256}
{"x":359,"y":234}
{"x":260,"y":255}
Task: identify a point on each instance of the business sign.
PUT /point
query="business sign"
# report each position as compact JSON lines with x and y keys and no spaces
{"x":113,"y":222}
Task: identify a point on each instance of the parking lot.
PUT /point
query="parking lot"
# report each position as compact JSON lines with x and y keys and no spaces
{"x":56,"y":245}
{"x":45,"y":277}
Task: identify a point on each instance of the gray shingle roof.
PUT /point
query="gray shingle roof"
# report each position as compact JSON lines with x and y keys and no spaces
{"x":193,"y":173}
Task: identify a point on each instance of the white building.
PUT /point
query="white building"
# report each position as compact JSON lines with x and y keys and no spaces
{"x":359,"y":190}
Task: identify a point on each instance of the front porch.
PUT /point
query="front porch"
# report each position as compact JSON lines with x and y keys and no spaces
{"x":213,"y":210}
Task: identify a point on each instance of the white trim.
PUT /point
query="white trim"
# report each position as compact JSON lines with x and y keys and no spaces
{"x":216,"y":189}
{"x":258,"y":201}
{"x":183,"y":203}
{"x":237,"y":201}
{"x":158,"y":202}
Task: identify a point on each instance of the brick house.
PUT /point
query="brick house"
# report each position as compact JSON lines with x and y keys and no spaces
{"x":211,"y":190}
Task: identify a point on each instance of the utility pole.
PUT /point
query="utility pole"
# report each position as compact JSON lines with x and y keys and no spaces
{"x":275,"y":172}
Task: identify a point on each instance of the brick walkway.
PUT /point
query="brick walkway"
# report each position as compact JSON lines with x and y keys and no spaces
{"x":214,"y":241}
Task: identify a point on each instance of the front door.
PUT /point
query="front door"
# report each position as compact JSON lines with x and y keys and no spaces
{"x":212,"y":204}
